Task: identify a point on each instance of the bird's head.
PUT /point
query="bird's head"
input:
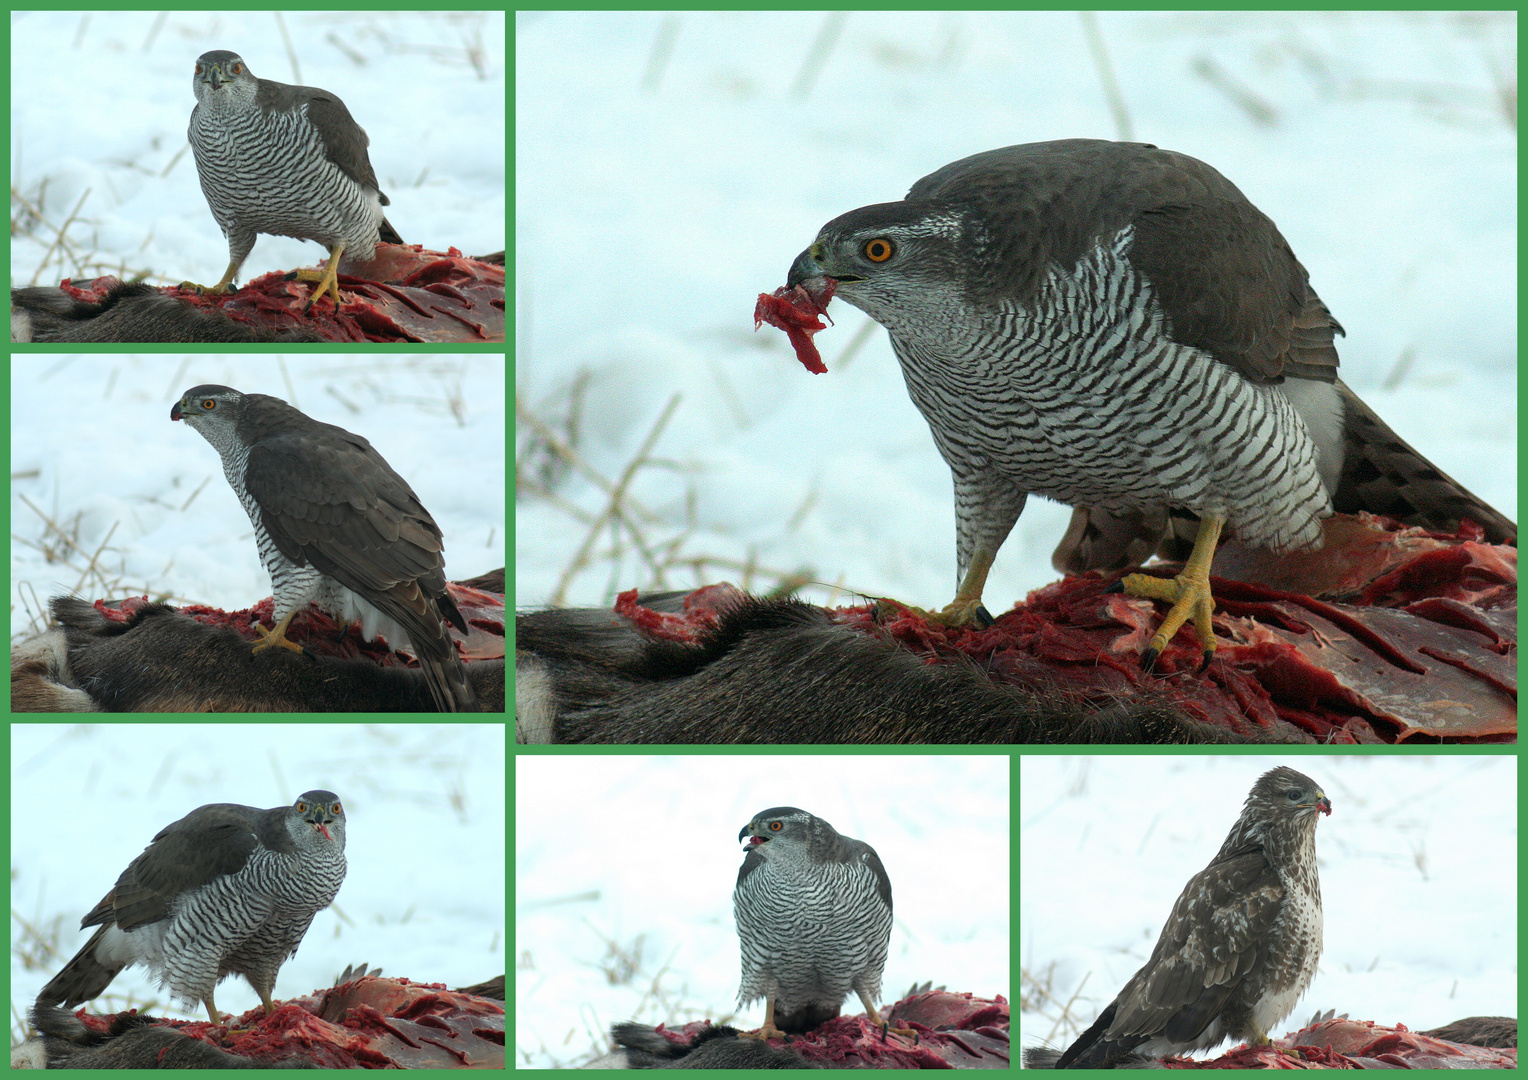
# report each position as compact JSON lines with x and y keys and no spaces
{"x":200,"y":403}
{"x":322,"y":812}
{"x":1283,"y":790}
{"x":222,"y":74}
{"x":894,"y":261}
{"x":1280,"y":815}
{"x":213,"y":412}
{"x":781,"y":822}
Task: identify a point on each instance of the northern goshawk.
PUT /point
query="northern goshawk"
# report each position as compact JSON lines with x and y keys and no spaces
{"x":813,"y":913}
{"x":226,"y":890}
{"x":336,"y":525}
{"x":1116,"y":327}
{"x":287,"y":161}
{"x":1240,"y":947}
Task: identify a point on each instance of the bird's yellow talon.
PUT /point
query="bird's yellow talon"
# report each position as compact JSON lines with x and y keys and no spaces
{"x":276,"y":637}
{"x":327,"y":279}
{"x":1189,"y":593}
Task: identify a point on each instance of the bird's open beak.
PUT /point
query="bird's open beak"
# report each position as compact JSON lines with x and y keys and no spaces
{"x":175,"y":410}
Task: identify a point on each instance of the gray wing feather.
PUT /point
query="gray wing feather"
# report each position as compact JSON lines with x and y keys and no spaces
{"x":1205,"y":951}
{"x":329,"y":500}
{"x":208,"y":843}
{"x":873,"y":861}
{"x":344,"y":140}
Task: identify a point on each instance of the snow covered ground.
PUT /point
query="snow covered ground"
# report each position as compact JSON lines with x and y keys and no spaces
{"x":93,"y":450}
{"x":423,"y":895}
{"x":100,"y":103}
{"x":624,"y":868}
{"x":668,"y":169}
{"x":1418,"y":864}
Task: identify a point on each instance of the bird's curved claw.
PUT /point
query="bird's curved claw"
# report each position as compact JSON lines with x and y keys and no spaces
{"x":327,"y":283}
{"x":962,"y":613}
{"x":272,"y":638}
{"x":1191,"y":599}
{"x":957,"y":613}
{"x":1150,"y":653}
{"x":906,"y":1033}
{"x":1188,"y":593}
{"x":204,"y":290}
{"x":768,"y":1031}
{"x":328,"y":279}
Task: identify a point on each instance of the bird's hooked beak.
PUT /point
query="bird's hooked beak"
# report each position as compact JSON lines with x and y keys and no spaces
{"x":177,"y":410}
{"x":753,"y":841}
{"x":813,"y":262}
{"x":214,"y":76}
{"x":1319,"y":803}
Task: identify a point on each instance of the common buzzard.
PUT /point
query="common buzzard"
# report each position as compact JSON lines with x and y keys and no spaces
{"x":1241,"y":944}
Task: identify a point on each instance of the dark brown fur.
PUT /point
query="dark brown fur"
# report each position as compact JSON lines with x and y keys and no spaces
{"x":779,"y":671}
{"x":715,"y":1048}
{"x":163,"y":661}
{"x":129,"y":312}
{"x":1499,"y":1032}
{"x":133,"y":1042}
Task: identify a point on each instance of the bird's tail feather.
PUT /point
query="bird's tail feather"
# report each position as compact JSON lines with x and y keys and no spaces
{"x":449,"y":685}
{"x":1383,"y":475}
{"x":82,"y":978}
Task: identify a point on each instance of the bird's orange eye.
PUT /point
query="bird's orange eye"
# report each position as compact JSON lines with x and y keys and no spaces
{"x":208,"y":403}
{"x":236,"y":69}
{"x":774,"y":826}
{"x":199,"y":69}
{"x":879,"y":250}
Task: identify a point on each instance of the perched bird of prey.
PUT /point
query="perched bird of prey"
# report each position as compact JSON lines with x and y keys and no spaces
{"x":1241,"y":944}
{"x":226,"y":890}
{"x":335,"y":525}
{"x":813,"y":915}
{"x":1116,"y":327}
{"x":284,"y":160}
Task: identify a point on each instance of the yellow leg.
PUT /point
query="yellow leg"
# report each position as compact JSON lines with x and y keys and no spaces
{"x":1259,"y":1037}
{"x":269,"y":638}
{"x":265,"y":999}
{"x":768,"y":1031}
{"x":327,"y":278}
{"x":218,"y":289}
{"x":968,"y":598}
{"x":875,"y":1018}
{"x":1189,"y":594}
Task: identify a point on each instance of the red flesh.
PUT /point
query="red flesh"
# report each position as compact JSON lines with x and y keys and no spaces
{"x":798,"y":310}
